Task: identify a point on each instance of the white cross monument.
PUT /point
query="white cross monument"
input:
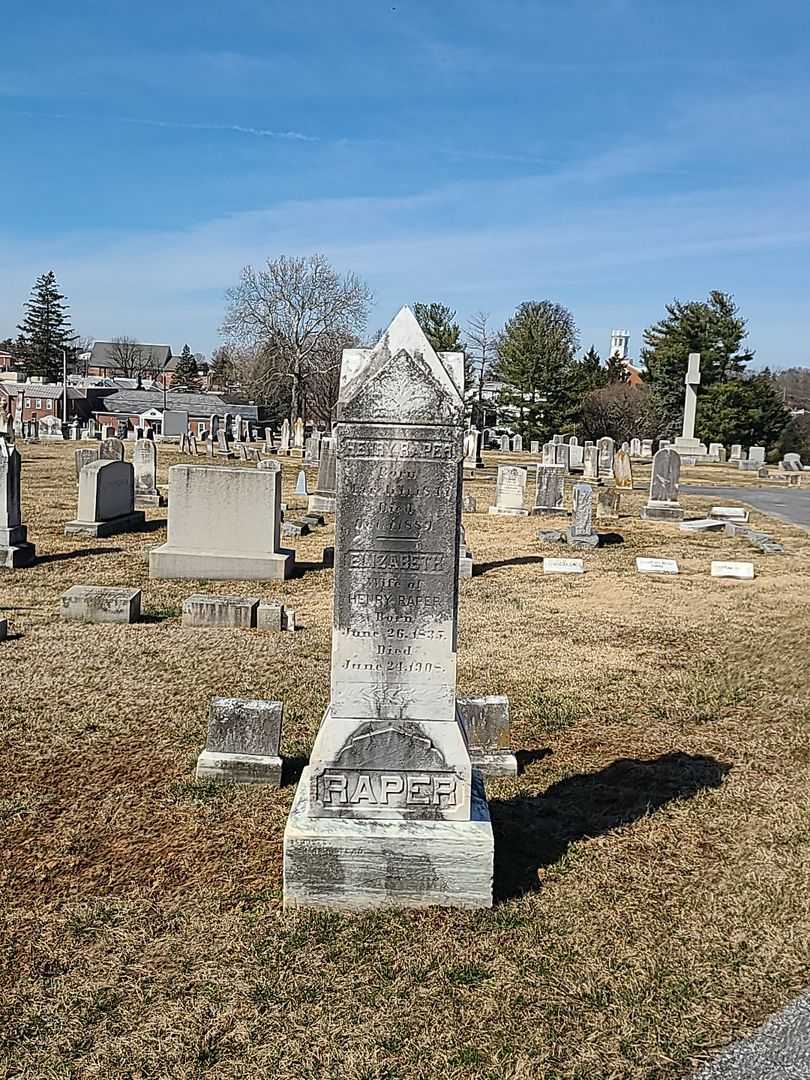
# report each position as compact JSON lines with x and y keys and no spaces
{"x":686,"y":444}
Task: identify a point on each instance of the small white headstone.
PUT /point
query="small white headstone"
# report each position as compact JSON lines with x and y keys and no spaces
{"x":744,"y":570}
{"x":656,"y":566}
{"x":563,"y":566}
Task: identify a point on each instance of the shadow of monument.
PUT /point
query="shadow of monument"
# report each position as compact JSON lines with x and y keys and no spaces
{"x":520,"y":560}
{"x":525,"y":758}
{"x":152,"y":525}
{"x":304,"y":567}
{"x":81,"y":553}
{"x":531,"y":833}
{"x":607,"y":539}
{"x":291,"y":769}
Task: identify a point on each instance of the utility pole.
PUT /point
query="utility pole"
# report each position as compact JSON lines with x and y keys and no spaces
{"x":64,"y":386}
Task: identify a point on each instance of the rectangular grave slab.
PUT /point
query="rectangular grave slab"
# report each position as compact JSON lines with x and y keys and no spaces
{"x":204,"y":610}
{"x":106,"y":499}
{"x":563,"y":566}
{"x":730,"y":513}
{"x":405,"y":864}
{"x":243,"y":742}
{"x":510,"y":491}
{"x":656,"y":566}
{"x":485,"y":721}
{"x":101,"y":604}
{"x":708,"y":524}
{"x":744,"y":570}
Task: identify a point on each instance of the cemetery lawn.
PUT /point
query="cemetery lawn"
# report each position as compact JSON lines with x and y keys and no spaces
{"x":652,"y":859}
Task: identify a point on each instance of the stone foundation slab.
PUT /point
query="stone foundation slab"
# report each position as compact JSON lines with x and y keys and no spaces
{"x":358,"y":865}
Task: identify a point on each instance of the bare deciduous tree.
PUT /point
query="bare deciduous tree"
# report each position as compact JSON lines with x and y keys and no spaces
{"x":129,"y":357}
{"x":292,"y":311}
{"x":624,"y":412}
{"x":481,"y":353}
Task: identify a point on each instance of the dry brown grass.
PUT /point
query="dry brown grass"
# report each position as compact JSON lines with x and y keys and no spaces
{"x":653,"y":857}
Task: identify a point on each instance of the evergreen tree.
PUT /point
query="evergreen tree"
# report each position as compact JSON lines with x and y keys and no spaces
{"x":187,"y":372}
{"x":439,"y":324}
{"x":715,"y":329}
{"x":589,"y":373}
{"x":749,"y":411}
{"x":616,"y":371}
{"x":536,"y":364}
{"x":45,"y":329}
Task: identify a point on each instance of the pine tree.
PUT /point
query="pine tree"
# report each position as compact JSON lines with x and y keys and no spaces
{"x":748,"y":411}
{"x":187,"y":372}
{"x":715,"y":329}
{"x":221,"y":368}
{"x":616,"y":371}
{"x":589,"y":372}
{"x":439,"y":324}
{"x":45,"y":329}
{"x":536,"y":365}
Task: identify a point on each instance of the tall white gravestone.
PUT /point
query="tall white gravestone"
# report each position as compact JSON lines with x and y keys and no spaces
{"x":389,"y":811}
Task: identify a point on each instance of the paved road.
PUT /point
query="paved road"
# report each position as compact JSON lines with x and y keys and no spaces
{"x":786,"y":504}
{"x":778,"y":1051}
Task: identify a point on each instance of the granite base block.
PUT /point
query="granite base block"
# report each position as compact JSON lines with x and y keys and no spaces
{"x":493,"y":763}
{"x":350,"y":864}
{"x":148,"y":501}
{"x":124,"y":523}
{"x":174,"y":563}
{"x":17,"y":555}
{"x":661,"y":513}
{"x":321,"y":504}
{"x":239,"y":768}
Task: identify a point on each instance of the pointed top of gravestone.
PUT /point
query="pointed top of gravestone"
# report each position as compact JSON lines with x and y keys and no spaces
{"x":402,"y":378}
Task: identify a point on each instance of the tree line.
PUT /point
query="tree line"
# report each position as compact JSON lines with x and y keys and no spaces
{"x":286,"y":325}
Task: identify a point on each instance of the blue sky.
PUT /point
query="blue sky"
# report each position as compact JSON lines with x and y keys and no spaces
{"x":607,"y":155}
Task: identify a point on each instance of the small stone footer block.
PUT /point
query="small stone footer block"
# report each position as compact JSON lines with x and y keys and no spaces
{"x":348,"y":864}
{"x":239,"y":768}
{"x":144,"y":501}
{"x":17,"y":555}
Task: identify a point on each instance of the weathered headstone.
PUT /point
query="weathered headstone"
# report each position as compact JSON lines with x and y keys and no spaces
{"x":224,"y":524}
{"x":301,"y":484}
{"x":534,"y":446}
{"x":736,"y":452}
{"x":591,"y":463}
{"x":14,"y":547}
{"x":298,"y":437}
{"x":562,"y":455}
{"x":322,"y":499}
{"x":717,"y":452}
{"x":549,"y":489}
{"x":486,"y":724}
{"x":223,"y":449}
{"x":144,"y":463}
{"x":635,"y":447}
{"x":756,"y":454}
{"x":468,"y":504}
{"x":606,"y":449}
{"x":580,"y":531}
{"x":472,"y":450}
{"x":465,"y":556}
{"x":84,"y":456}
{"x":608,"y":502}
{"x":517,"y":444}
{"x":202,"y":609}
{"x":646,"y":448}
{"x":243,"y":742}
{"x":576,"y":457}
{"x":111,"y":449}
{"x":548,"y":453}
{"x":623,"y":470}
{"x":792,"y":462}
{"x":505,"y":444}
{"x":106,"y":500}
{"x":284,"y":440}
{"x":389,"y":811}
{"x":510,"y":491}
{"x":663,"y":504}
